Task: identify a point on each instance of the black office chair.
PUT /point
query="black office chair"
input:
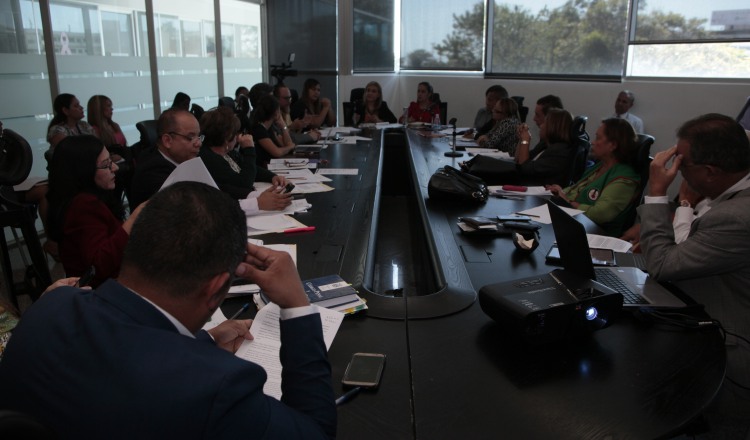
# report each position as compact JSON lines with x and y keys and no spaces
{"x":16,"y":425}
{"x":523,"y":111}
{"x":348,"y":113}
{"x":357,"y":95}
{"x":641,"y":164}
{"x":443,"y":113}
{"x":581,"y":145}
{"x":15,"y":164}
{"x":149,"y":137}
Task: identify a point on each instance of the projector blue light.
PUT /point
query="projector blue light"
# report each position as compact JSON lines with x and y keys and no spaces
{"x":591,"y":313}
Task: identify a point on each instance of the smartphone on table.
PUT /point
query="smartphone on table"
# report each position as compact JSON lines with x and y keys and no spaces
{"x":364,"y":370}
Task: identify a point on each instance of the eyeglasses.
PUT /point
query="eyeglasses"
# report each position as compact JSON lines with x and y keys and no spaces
{"x":191,"y":138}
{"x":106,"y":165}
{"x":285,"y":97}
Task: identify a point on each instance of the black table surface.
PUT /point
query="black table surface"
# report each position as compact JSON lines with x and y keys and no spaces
{"x":459,"y":374}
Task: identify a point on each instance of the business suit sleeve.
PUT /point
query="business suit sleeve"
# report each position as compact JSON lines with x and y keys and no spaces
{"x":717,"y":243}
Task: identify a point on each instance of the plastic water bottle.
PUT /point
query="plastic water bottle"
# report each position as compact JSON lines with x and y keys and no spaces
{"x":436,"y":120}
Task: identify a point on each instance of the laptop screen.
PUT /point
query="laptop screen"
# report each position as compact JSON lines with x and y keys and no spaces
{"x":572,"y":242}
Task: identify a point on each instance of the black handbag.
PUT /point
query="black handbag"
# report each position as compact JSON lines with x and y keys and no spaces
{"x":449,"y":183}
{"x":494,"y":171}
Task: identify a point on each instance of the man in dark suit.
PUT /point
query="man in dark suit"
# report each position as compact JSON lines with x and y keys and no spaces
{"x":129,"y":360}
{"x":713,"y":264}
{"x":179,"y":140}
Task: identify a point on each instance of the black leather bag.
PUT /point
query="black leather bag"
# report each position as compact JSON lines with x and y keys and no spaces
{"x":449,"y":183}
{"x":494,"y":171}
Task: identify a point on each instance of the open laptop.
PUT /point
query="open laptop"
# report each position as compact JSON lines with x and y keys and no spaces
{"x":638,"y":290}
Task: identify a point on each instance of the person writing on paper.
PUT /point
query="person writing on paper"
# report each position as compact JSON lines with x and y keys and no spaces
{"x":179,"y":141}
{"x":270,"y":145}
{"x":229,"y":157}
{"x":373,"y":109}
{"x":86,"y":218}
{"x":139,"y":338}
{"x":504,"y":134}
{"x":310,"y":103}
{"x":425,"y":108}
{"x":609,"y":189}
{"x":711,"y":265}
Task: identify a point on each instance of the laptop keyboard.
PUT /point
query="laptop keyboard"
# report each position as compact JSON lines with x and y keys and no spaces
{"x":610,"y":280}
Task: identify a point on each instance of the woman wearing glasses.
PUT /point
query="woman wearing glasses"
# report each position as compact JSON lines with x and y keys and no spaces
{"x":85,"y":216}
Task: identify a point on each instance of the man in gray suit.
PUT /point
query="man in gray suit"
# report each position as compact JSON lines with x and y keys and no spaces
{"x":713,"y":264}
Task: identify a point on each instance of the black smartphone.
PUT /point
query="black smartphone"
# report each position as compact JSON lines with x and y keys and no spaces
{"x":364,"y":370}
{"x":513,"y":218}
{"x":85,"y":279}
{"x":288,"y":188}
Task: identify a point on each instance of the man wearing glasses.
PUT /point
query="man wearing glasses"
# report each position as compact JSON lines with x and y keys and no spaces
{"x":284,"y":95}
{"x":179,"y":140}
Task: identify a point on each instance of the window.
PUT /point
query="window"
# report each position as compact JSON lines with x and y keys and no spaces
{"x":584,"y":38}
{"x":707,"y":40}
{"x":240,"y":38}
{"x":117,"y":29}
{"x":373,"y":36}
{"x":427,"y":43}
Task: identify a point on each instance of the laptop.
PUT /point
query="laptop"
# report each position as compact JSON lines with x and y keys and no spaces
{"x":636,"y":287}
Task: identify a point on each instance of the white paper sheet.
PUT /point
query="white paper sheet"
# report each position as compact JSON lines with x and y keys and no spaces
{"x":541,"y":213}
{"x":193,"y":170}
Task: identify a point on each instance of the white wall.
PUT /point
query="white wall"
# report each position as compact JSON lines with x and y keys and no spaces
{"x":662,"y":104}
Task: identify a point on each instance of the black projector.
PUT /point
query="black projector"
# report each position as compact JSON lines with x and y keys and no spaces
{"x":545,"y":308}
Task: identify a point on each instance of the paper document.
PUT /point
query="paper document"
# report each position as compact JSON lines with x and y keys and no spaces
{"x":604,"y":242}
{"x":264,"y":348}
{"x":468,"y":143}
{"x":331,"y":131}
{"x":339,"y":171}
{"x":250,"y":289}
{"x":530,"y":191}
{"x":263,"y":224}
{"x":298,"y":205}
{"x":192,"y":170}
{"x":541,"y":213}
{"x":449,"y":130}
{"x":308,"y":188}
{"x":216,"y":319}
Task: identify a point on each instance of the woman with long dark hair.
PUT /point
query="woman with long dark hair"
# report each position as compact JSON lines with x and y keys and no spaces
{"x":67,"y":120}
{"x":311,"y":103}
{"x":85,"y":216}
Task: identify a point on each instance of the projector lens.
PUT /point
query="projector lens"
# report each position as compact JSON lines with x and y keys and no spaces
{"x":591,"y":313}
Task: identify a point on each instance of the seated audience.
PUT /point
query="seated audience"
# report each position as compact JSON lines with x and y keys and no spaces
{"x":550,"y":161}
{"x":483,"y":121}
{"x":310,"y":103}
{"x":711,"y":265}
{"x":67,"y":121}
{"x":271,"y":145}
{"x":99,"y":112}
{"x":181,"y":101}
{"x":607,"y":191}
{"x":234,"y":170}
{"x":373,"y":109}
{"x":85,"y":216}
{"x":504,"y":134}
{"x":296,"y":127}
{"x":543,"y":105}
{"x":258,"y":91}
{"x":179,"y":140}
{"x":425,"y":108}
{"x":132,"y":357}
{"x":623,"y":103}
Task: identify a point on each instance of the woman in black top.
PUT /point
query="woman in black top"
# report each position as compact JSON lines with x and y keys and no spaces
{"x":373,"y":109}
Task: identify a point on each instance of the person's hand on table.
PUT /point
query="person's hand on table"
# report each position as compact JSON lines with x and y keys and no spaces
{"x":279,"y":181}
{"x":230,"y":334}
{"x":633,"y":236}
{"x":272,"y":200}
{"x":276,"y":274}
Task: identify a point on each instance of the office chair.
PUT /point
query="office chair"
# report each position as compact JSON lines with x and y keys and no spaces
{"x":348,"y":114}
{"x":443,"y":113}
{"x":15,"y":164}
{"x":149,"y":136}
{"x":581,"y":145}
{"x":17,"y":425}
{"x":523,"y":111}
{"x":357,"y":94}
{"x":744,"y":117}
{"x":641,"y":163}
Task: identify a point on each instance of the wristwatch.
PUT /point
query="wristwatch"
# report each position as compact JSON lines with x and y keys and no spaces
{"x":524,"y":142}
{"x":685,"y":204}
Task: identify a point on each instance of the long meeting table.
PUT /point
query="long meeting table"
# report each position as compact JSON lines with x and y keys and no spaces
{"x":451,"y":371}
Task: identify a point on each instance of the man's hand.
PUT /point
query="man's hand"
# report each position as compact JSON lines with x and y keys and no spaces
{"x":272,"y":200}
{"x":279,"y":181}
{"x":660,"y":176}
{"x":275,"y":273}
{"x":633,"y":235}
{"x":687,"y":193}
{"x":230,"y":334}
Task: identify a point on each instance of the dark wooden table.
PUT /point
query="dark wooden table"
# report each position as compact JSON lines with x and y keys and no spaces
{"x":451,"y":371}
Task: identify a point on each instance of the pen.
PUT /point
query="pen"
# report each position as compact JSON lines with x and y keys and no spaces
{"x":501,"y":196}
{"x":527,"y":215}
{"x":242,"y":310}
{"x":305,"y":229}
{"x":349,"y":395}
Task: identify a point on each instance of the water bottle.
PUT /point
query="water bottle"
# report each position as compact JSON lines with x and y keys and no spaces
{"x":436,"y":120}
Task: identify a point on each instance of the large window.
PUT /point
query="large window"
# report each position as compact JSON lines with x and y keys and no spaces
{"x":240,"y":39}
{"x":708,"y":39}
{"x":442,"y":34}
{"x":373,"y":36}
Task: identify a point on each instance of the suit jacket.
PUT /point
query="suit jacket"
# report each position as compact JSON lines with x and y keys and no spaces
{"x":108,"y":364}
{"x":150,"y":174}
{"x":237,"y":185}
{"x":712,"y":265}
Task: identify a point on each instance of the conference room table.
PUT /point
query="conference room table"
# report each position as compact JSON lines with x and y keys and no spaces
{"x":451,"y":371}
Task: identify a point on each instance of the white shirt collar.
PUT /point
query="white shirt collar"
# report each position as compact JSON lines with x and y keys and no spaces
{"x":742,"y":184}
{"x":180,"y":327}
{"x":167,"y":157}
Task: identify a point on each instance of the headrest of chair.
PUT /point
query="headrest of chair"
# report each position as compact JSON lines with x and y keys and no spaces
{"x":15,"y":158}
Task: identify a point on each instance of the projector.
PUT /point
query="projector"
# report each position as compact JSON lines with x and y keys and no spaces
{"x":546,"y":308}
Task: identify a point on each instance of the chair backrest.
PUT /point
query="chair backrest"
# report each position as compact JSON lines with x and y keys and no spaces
{"x":16,"y":158}
{"x":523,"y":111}
{"x":357,"y":94}
{"x":348,"y":113}
{"x":581,"y":145}
{"x":149,"y":137}
{"x":641,"y":163}
{"x":443,"y":113}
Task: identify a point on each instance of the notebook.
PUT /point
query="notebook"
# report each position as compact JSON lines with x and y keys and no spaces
{"x":637,"y":288}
